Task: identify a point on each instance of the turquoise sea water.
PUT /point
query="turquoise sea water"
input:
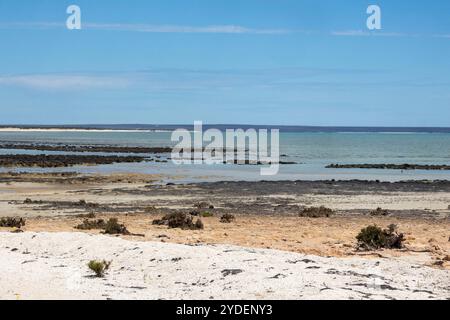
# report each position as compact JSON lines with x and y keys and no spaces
{"x":312,"y":152}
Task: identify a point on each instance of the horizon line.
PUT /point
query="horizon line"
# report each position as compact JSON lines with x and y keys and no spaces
{"x":98,"y":125}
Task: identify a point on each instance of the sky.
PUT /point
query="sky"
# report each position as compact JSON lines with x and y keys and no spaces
{"x":279,"y":62}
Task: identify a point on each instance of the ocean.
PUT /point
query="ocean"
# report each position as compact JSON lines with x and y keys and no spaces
{"x":312,"y":152}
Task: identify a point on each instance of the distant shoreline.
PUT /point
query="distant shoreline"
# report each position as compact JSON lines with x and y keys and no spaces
{"x":169,"y":128}
{"x":18,"y":129}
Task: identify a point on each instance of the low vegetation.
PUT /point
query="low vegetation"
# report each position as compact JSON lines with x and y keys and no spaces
{"x":199,"y":225}
{"x":316,"y":212}
{"x":206,"y":214}
{"x":10,"y":222}
{"x":374,"y":238}
{"x":114,"y":227}
{"x":99,"y":267}
{"x":180,"y":220}
{"x":227,"y":218}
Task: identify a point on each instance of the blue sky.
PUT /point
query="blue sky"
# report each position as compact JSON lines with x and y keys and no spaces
{"x":282,"y":62}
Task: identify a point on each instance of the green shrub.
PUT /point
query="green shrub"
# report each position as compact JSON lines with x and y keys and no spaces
{"x":206,"y":214}
{"x":316,"y":212}
{"x":99,"y":267}
{"x":373,"y":238}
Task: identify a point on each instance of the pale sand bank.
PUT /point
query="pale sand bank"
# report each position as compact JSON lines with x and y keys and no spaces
{"x":53,"y":266}
{"x":13,"y":129}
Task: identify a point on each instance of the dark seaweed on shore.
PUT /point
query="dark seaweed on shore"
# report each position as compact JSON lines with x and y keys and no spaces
{"x":53,"y":161}
{"x":86,"y":148}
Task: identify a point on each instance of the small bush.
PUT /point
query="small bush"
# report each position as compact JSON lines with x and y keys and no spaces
{"x":179,"y":220}
{"x":99,"y":267}
{"x":114,"y":227}
{"x":164,"y":221}
{"x":316,"y":212}
{"x":374,"y":238}
{"x":9,"y":222}
{"x":227,"y":218}
{"x":379,"y":212}
{"x":199,"y":225}
{"x":206,"y":214}
{"x":92,"y":225}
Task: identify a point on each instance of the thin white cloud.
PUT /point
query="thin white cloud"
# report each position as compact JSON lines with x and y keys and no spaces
{"x":31,"y":25}
{"x":350,"y":33}
{"x":182,"y":29}
{"x":164,"y":81}
{"x":447,"y":36}
{"x":171,"y":80}
{"x":225,"y":29}
{"x":63,"y":82}
{"x":211,"y":29}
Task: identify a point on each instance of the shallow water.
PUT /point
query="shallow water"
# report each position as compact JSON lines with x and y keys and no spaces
{"x":312,"y":152}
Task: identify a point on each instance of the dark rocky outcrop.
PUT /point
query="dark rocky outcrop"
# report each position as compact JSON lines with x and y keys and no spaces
{"x":404,"y":166}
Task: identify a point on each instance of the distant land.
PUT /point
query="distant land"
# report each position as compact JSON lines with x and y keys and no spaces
{"x":171,"y":127}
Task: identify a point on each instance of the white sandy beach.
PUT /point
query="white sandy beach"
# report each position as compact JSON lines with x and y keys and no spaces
{"x":53,"y":266}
